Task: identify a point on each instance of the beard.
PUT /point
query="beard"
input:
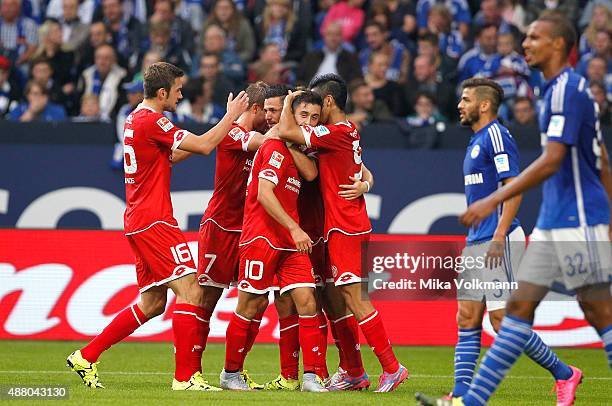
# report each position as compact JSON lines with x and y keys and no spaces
{"x":470,"y":118}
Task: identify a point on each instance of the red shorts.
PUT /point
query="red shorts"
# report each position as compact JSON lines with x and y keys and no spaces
{"x":217,"y":256}
{"x":344,"y":254}
{"x":162,"y":255}
{"x":260,"y":263}
{"x":317,"y":259}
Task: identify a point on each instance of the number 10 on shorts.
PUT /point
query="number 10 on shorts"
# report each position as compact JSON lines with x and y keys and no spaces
{"x":251,"y":267}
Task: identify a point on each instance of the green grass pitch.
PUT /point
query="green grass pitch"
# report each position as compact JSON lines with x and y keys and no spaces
{"x":141,"y":374}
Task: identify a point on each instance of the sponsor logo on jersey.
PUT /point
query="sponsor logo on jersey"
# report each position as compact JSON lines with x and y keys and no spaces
{"x":236,"y":133}
{"x":293,"y":181}
{"x":475,"y":151}
{"x":270,"y":175}
{"x":354,"y":133}
{"x":165,"y":124}
{"x":130,"y":180}
{"x":501,"y":163}
{"x":179,"y":135}
{"x":128,"y":120}
{"x":321,"y":130}
{"x":276,"y":159}
{"x":473,"y":179}
{"x":555,"y":126}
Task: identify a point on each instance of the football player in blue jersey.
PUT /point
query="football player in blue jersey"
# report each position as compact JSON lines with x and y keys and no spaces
{"x":571,"y":241}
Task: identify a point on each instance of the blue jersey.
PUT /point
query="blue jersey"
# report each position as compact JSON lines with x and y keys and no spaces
{"x":574,"y":196}
{"x":491,"y":157}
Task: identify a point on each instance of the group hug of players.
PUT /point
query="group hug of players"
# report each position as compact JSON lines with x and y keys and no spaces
{"x":288,"y":215}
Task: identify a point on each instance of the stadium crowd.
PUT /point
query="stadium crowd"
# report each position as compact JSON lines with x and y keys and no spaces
{"x":82,"y":60}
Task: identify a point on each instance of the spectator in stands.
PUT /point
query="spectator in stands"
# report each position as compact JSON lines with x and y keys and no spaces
{"x":490,"y":13}
{"x":598,"y":71}
{"x":127,"y":33}
{"x":350,"y":15}
{"x":181,"y":34}
{"x":426,"y":79}
{"x":18,"y":34}
{"x":50,"y":47}
{"x":363,"y":108}
{"x":198,"y":105}
{"x":388,"y":91}
{"x":598,"y":90}
{"x":401,"y":16}
{"x":475,"y":61}
{"x":588,"y":11}
{"x":134,"y":92}
{"x":210,"y":71}
{"x":278,"y":25}
{"x":104,"y":80}
{"x":191,"y":11}
{"x":231,"y":64}
{"x":450,"y":41}
{"x":427,"y":124}
{"x":270,"y":62}
{"x":41,"y":71}
{"x":377,"y":38}
{"x":602,"y":20}
{"x":150,"y":57}
{"x":602,"y":47}
{"x":567,"y":8}
{"x":74,"y":32}
{"x":160,"y":40}
{"x":84,"y":10}
{"x":90,"y":109}
{"x":240,"y":36}
{"x":98,"y":35}
{"x":523,"y":112}
{"x":513,"y":13}
{"x":460,"y":17}
{"x":427,"y":44}
{"x":331,"y":59}
{"x":9,"y":93}
{"x":38,"y":107}
{"x":324,"y":6}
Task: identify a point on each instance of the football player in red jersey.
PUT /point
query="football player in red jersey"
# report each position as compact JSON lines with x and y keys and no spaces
{"x":163,"y":259}
{"x":274,"y":247}
{"x":347,"y":225}
{"x":222,"y":221}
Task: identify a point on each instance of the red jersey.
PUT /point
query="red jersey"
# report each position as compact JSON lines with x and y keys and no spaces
{"x":273,"y":162}
{"x":310,"y":205}
{"x":339,"y":158}
{"x":232,"y":169}
{"x":149,"y":139}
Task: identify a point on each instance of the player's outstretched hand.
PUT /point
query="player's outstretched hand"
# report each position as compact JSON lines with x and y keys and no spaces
{"x":495,"y":254}
{"x":477,"y":212}
{"x":289,"y":98}
{"x":238,"y":105}
{"x":302,"y":241}
{"x":353,"y":191}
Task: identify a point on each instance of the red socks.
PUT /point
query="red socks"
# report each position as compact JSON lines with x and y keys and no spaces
{"x":251,"y":336}
{"x":341,"y":355}
{"x":289,"y":346}
{"x":321,"y":367}
{"x":348,"y":338}
{"x":374,"y":331}
{"x":189,"y":327}
{"x":310,"y":341}
{"x":124,"y":324}
{"x":236,"y":342}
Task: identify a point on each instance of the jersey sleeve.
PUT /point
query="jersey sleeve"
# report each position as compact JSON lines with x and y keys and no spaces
{"x":322,"y":137}
{"x":274,"y":164}
{"x":165,"y":133}
{"x":503,"y":151}
{"x":237,"y":139}
{"x":567,"y":111}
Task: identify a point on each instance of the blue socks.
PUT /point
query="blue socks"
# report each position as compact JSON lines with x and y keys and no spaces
{"x":606,"y":337}
{"x":467,"y":352}
{"x":543,"y":355}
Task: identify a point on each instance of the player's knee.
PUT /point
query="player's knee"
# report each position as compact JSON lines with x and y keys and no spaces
{"x":596,"y":313}
{"x":467,"y":319}
{"x":521,"y":309}
{"x":210,"y":297}
{"x":263,"y":304}
{"x":496,"y":318}
{"x":306,"y":304}
{"x":153,"y":309}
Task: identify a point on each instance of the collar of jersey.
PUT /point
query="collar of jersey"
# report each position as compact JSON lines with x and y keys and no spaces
{"x":554,"y":80}
{"x":484,"y":129}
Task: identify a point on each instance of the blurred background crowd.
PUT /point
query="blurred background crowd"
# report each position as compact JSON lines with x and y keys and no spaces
{"x":82,"y":60}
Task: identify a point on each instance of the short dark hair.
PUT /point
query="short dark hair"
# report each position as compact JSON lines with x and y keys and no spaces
{"x":160,"y":75}
{"x":484,"y":27}
{"x":561,"y":27}
{"x":279,"y":90}
{"x":356,"y":84}
{"x":308,"y":97}
{"x":257,"y":93}
{"x":521,"y":99}
{"x":427,"y":95}
{"x":32,"y":83}
{"x":374,"y":23}
{"x":332,"y":85}
{"x":430,"y":37}
{"x":486,"y":89}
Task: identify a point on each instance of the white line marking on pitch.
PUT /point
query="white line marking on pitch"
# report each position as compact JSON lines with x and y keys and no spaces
{"x":16,"y":372}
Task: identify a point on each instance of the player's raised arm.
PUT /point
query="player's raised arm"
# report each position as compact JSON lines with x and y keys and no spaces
{"x":307,"y":168}
{"x":359,"y":186}
{"x":267,"y":198}
{"x":207,"y":142}
{"x":288,"y":128}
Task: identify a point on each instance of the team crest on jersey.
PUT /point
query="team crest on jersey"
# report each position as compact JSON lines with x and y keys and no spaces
{"x":475,"y":151}
{"x":276,"y":159}
{"x":236,"y":133}
{"x":165,"y":124}
{"x":321,"y":130}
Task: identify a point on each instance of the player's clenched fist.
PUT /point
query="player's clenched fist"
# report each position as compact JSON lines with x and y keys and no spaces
{"x":302,"y":240}
{"x":237,"y":106}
